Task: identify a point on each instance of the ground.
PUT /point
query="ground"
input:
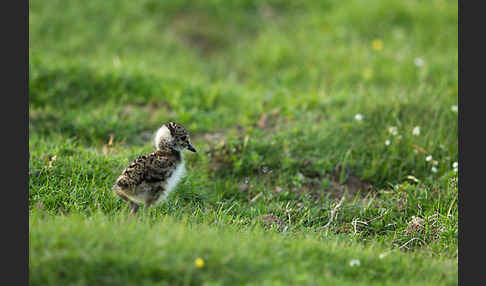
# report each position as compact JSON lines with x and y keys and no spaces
{"x":326,"y":136}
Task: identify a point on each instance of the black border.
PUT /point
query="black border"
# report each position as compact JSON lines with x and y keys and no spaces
{"x":14,"y":116}
{"x":15,"y":156}
{"x":471,"y":159}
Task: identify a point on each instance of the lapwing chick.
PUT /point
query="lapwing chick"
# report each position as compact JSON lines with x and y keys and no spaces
{"x":150,"y":178}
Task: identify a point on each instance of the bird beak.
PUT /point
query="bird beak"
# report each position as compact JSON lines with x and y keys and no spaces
{"x":191,"y":148}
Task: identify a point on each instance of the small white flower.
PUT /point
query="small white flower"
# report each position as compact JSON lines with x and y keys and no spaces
{"x":454,"y":108}
{"x":428,"y":158}
{"x":418,"y":62}
{"x":381,"y":256}
{"x":434,"y":170}
{"x":358,"y":117}
{"x":393,"y":130}
{"x":455,"y":165}
{"x":387,"y":142}
{"x":354,"y":262}
{"x":416,"y":131}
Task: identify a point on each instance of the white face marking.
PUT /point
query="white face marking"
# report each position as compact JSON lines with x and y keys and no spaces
{"x":162,"y":134}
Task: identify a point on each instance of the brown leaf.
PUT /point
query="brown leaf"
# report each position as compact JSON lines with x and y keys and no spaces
{"x":263,"y":121}
{"x":110,"y":141}
{"x":420,"y":149}
{"x":268,"y":119}
{"x":417,"y":224}
{"x":270,"y":219}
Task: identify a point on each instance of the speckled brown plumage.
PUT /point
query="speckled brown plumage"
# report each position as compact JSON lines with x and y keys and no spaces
{"x":149,"y":178}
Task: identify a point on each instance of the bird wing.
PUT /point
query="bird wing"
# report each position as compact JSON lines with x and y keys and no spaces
{"x":158,"y":168}
{"x":150,"y":168}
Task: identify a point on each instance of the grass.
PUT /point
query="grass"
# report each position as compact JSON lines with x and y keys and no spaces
{"x":288,"y":185}
{"x":229,"y":256}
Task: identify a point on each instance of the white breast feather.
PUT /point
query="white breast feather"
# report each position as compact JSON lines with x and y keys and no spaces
{"x":172,"y":181}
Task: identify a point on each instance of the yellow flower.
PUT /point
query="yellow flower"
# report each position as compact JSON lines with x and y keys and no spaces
{"x":377,"y":45}
{"x":199,"y":262}
{"x":367,"y":74}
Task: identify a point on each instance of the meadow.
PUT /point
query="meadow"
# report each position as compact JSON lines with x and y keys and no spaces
{"x":326,"y":134}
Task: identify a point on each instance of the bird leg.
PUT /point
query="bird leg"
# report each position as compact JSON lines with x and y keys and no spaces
{"x":148,"y":204}
{"x":151,"y":200}
{"x":134,"y":208}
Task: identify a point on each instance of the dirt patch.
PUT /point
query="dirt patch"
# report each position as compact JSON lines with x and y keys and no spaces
{"x":217,"y":137}
{"x":198,"y":32}
{"x":270,"y":220}
{"x":152,"y":109}
{"x":213,"y":139}
{"x":352,"y":185}
{"x":417,"y":225}
{"x":220,"y":152}
{"x":340,"y":182}
{"x":220,"y":156}
{"x":268,"y":120}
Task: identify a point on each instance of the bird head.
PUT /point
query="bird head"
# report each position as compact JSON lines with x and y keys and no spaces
{"x":175,"y":136}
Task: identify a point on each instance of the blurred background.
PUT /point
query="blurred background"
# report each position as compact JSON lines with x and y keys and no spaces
{"x":304,"y":44}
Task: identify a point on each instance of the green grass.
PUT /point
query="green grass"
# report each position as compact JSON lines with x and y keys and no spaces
{"x":269,"y":91}
{"x":102,"y":251}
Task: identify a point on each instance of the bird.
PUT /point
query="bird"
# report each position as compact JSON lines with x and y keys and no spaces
{"x":150,"y":178}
